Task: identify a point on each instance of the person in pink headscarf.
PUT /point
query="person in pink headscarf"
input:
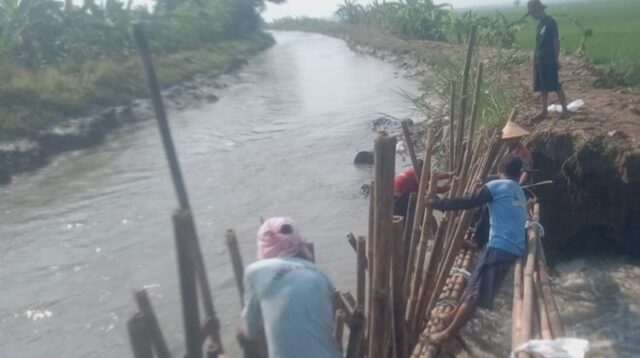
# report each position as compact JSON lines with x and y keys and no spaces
{"x":287,"y":297}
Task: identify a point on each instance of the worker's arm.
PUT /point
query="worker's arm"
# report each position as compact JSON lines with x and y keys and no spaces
{"x":524,"y":178}
{"x":478,"y":198}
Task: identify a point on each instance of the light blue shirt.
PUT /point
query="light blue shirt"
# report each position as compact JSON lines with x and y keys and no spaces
{"x":291,"y":299}
{"x":508,"y":211}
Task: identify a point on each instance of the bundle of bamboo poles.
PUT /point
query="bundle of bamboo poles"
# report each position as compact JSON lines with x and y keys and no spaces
{"x":535,"y":313}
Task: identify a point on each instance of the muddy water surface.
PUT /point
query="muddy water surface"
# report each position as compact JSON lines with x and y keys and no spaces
{"x":79,"y":236}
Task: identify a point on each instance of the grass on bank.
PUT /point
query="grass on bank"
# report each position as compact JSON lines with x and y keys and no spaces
{"x":31,"y":101}
{"x":616,"y":32}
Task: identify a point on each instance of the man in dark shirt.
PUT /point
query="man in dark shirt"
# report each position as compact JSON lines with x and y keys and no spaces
{"x":507,"y":208}
{"x":546,"y":59}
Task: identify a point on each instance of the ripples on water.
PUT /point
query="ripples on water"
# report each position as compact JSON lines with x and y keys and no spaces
{"x":80,"y":235}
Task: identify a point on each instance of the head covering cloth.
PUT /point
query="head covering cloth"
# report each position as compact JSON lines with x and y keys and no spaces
{"x":280,"y":237}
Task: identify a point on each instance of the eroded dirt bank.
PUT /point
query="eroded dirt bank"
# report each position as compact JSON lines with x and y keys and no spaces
{"x":593,"y":157}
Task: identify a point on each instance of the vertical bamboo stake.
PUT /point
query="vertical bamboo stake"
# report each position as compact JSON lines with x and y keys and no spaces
{"x":155,"y":334}
{"x":361,"y":272}
{"x":452,"y":127}
{"x":356,"y":332}
{"x":397,"y":286}
{"x":338,"y":331}
{"x":408,"y":231}
{"x":410,"y":147}
{"x":370,"y":258}
{"x":462,"y":107}
{"x":139,"y":337}
{"x":236,"y":261}
{"x":384,"y":154}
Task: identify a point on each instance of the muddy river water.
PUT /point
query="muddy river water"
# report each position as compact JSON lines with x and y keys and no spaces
{"x":77,"y":237}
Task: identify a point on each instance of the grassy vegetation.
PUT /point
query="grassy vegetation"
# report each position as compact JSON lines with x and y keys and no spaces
{"x":59,"y":60}
{"x":615,"y":25}
{"x":31,"y":101}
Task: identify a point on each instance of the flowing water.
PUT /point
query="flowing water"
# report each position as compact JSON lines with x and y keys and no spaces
{"x":80,"y":235}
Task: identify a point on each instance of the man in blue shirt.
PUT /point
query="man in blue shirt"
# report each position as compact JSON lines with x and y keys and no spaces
{"x":287,"y":297}
{"x":546,"y":59}
{"x":508,"y":212}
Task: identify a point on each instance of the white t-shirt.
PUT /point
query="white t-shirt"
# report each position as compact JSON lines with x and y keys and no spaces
{"x":292,"y":300}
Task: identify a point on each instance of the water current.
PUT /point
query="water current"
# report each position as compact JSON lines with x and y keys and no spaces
{"x":78,"y":237}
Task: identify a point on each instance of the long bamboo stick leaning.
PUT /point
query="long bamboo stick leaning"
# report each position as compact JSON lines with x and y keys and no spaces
{"x":184,"y":235}
{"x":420,"y":209}
{"x":174,"y":166}
{"x":384,"y":157}
{"x":528,"y":290}
{"x":543,"y":318}
{"x":410,"y":147}
{"x":462,"y":106}
{"x":452,"y":128}
{"x":155,"y":334}
{"x":516,"y":316}
{"x":236,"y":261}
{"x":139,"y":336}
{"x":552,"y":308}
{"x":408,"y":233}
{"x":420,"y":259}
{"x":471,"y":149}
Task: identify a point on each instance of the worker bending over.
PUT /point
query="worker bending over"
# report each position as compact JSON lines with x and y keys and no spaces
{"x":287,"y":297}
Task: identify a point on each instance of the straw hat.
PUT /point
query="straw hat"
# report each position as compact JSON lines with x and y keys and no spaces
{"x":512,"y":130}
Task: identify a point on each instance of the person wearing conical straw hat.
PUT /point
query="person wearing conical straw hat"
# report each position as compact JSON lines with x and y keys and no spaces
{"x":512,"y":135}
{"x":546,"y":62}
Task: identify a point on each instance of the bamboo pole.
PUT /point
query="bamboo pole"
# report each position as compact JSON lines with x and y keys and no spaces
{"x":420,"y":259}
{"x":545,"y":327}
{"x":384,"y":154}
{"x":516,"y":316}
{"x":420,"y":209}
{"x":361,"y":272}
{"x":183,"y":234}
{"x":474,"y":114}
{"x":408,"y":232}
{"x":236,"y":262}
{"x":139,"y":336}
{"x":154,"y":332}
{"x":356,"y":333}
{"x":528,"y":291}
{"x":462,"y":107}
{"x":452,"y":128}
{"x":398,"y":299}
{"x":557,"y":327}
{"x":338,"y":331}
{"x":370,"y":256}
{"x":410,"y":147}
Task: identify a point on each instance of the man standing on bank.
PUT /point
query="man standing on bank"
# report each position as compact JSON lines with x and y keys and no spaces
{"x":546,"y":61}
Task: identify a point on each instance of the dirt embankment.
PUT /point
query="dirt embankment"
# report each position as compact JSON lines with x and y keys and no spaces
{"x":593,"y":157}
{"x":28,"y":154}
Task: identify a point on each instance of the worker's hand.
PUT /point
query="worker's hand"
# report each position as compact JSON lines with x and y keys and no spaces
{"x":431,"y":201}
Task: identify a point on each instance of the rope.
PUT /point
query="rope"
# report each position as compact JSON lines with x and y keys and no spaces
{"x":532,"y":224}
{"x":447,"y":302}
{"x":461,"y":272}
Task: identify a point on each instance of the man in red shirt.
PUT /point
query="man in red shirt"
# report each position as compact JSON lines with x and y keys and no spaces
{"x":405,"y":183}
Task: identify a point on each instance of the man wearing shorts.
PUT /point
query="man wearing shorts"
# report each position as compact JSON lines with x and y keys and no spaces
{"x":507,"y":209}
{"x":546,"y":59}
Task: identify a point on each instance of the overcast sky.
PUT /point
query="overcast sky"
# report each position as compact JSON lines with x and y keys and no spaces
{"x":325,"y":8}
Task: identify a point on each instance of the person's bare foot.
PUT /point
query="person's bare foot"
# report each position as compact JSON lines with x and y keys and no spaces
{"x":440,"y":337}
